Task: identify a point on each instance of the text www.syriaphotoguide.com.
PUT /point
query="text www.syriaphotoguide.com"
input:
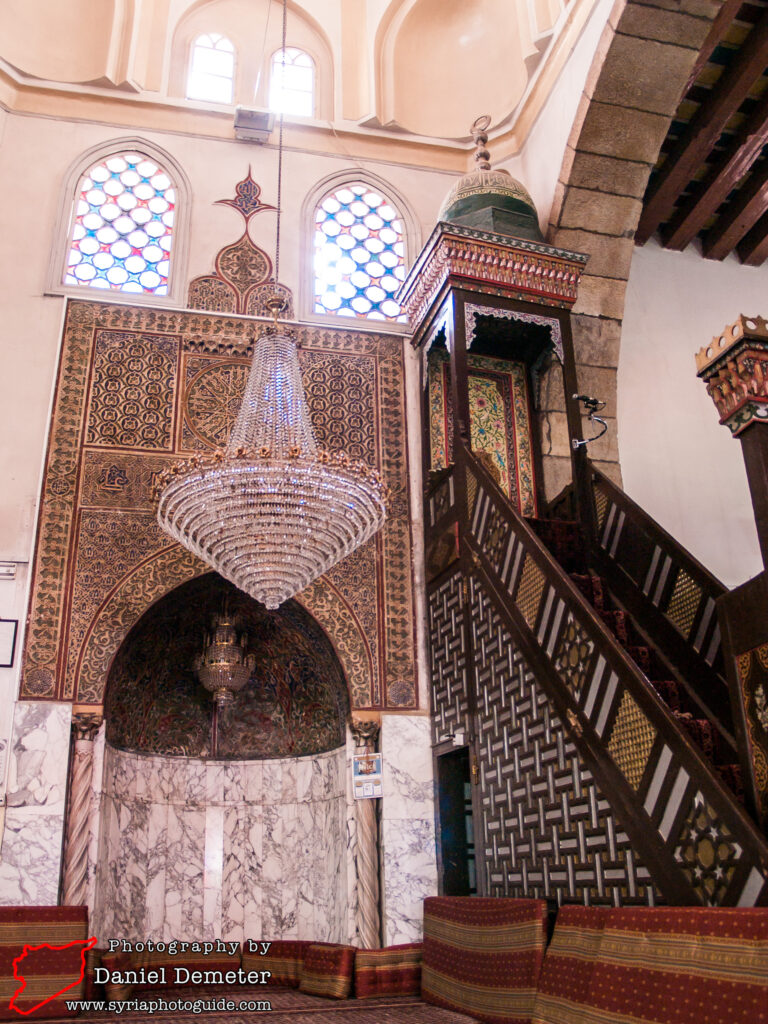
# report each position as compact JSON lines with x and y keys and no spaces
{"x":165,"y":1005}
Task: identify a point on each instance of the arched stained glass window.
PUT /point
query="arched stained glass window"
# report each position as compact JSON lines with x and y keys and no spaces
{"x":211,"y":69}
{"x":292,"y":83}
{"x":359,"y":254}
{"x":123,"y":226}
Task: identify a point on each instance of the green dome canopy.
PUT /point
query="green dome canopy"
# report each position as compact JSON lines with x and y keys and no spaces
{"x":490,"y":200}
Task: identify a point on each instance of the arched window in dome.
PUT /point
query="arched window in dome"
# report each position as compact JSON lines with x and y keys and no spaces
{"x":122,"y":230}
{"x":211,"y":69}
{"x":359,"y":254}
{"x":292,"y":83}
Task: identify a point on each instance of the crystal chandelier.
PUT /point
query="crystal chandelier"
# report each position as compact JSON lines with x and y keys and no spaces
{"x":272,"y":512}
{"x":225,"y":665}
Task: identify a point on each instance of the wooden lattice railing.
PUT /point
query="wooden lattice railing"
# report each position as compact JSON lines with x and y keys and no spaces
{"x":698,"y":843}
{"x":670,"y":595}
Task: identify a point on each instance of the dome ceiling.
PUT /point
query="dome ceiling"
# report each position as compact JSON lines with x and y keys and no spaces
{"x":33,"y":31}
{"x":439,"y":57}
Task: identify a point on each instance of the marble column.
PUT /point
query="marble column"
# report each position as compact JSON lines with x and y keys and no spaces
{"x":368,"y":924}
{"x":75,"y":886}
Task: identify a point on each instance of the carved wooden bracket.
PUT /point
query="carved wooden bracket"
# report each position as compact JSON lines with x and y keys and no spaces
{"x":735,"y":369}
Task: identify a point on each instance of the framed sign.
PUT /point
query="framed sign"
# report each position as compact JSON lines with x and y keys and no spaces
{"x":366,"y":776}
{"x":8,"y":629}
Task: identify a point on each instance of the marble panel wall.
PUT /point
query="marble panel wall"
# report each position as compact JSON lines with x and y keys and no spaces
{"x":30,"y":856}
{"x":409,"y":864}
{"x":192,"y":849}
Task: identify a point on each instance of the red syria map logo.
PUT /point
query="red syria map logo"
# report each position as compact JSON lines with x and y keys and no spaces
{"x":66,"y":969}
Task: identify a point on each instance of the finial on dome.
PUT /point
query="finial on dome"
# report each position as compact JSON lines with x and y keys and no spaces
{"x":490,"y":200}
{"x":479,"y":133}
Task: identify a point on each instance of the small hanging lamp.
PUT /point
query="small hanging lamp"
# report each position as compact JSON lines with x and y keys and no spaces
{"x":225,"y":664}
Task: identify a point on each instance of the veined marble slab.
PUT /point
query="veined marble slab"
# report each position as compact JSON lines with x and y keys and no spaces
{"x":30,"y":855}
{"x":408,"y":850}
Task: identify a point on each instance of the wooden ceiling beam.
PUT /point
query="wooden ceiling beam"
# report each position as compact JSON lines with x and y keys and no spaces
{"x":715,"y":36}
{"x":749,"y":204}
{"x":753,"y":248}
{"x":704,"y":129}
{"x":689,"y":218}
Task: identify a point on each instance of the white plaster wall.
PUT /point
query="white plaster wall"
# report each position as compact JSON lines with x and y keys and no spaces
{"x":235,"y":850}
{"x":676,"y":460}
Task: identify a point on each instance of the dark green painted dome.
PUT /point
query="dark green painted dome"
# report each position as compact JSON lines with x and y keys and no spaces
{"x":492,"y":200}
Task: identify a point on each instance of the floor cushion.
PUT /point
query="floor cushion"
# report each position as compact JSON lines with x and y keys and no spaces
{"x":116,"y":964}
{"x":566,"y":977}
{"x":656,"y":965}
{"x":148,"y":970}
{"x":283,"y":959}
{"x":393,"y":971}
{"x":328,"y":970}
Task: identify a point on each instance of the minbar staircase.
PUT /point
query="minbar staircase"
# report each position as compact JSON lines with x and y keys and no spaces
{"x":619,"y":628}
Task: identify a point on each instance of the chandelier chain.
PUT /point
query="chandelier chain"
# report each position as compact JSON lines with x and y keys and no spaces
{"x":280,"y":151}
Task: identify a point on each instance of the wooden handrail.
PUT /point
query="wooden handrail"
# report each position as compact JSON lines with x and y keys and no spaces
{"x":667,"y":542}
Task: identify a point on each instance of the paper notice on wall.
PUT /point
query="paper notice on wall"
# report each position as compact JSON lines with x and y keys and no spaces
{"x":366,"y":776}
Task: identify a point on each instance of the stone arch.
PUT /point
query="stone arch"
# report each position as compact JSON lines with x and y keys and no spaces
{"x":638,"y":75}
{"x":171,"y":566}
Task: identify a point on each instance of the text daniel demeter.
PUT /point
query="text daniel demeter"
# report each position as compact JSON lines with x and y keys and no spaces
{"x":182,"y":975}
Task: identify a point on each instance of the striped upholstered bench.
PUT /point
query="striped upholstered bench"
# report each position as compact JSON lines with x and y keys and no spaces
{"x":482,"y":956}
{"x":678,"y":965}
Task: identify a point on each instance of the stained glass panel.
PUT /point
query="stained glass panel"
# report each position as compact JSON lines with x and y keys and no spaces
{"x":359,"y":254}
{"x":123,"y":228}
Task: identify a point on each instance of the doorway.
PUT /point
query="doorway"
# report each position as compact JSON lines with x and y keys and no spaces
{"x":457,"y":837}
